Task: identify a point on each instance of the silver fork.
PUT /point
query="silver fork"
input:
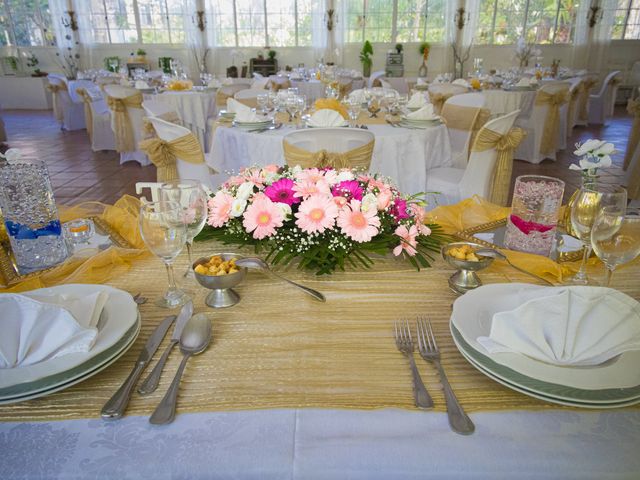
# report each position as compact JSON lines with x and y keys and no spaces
{"x":404,"y":342}
{"x":428,"y":348}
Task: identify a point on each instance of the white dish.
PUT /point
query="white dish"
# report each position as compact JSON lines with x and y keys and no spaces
{"x":472,"y":316}
{"x":343,"y":124}
{"x":121,"y":315}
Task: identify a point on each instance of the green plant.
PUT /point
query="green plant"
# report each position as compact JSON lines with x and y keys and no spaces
{"x":399,"y":47}
{"x":13,"y":61}
{"x":365,"y":54}
{"x":112,"y":64}
{"x":425,"y":46}
{"x":140,"y":52}
{"x":272,"y":54}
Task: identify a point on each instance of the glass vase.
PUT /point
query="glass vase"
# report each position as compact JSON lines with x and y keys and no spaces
{"x":588,"y":181}
{"x":30,"y":215}
{"x":531,"y":226}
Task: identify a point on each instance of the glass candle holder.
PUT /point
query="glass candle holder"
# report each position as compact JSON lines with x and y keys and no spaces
{"x":30,"y":215}
{"x":531,"y":226}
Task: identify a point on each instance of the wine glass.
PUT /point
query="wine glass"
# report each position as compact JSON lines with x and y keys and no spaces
{"x":262,"y":100}
{"x":291,"y":105}
{"x":353,"y":109}
{"x":192,"y":198}
{"x":588,"y":202}
{"x":615,"y":237}
{"x":163,"y":231}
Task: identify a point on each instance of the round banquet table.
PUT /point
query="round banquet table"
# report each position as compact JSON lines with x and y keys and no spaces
{"x":501,"y":102}
{"x":313,"y":89}
{"x":404,"y":155}
{"x":193,"y":108}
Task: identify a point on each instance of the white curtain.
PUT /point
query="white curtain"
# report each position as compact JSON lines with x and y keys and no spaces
{"x":322,"y":40}
{"x":472,"y":9}
{"x":195,"y":40}
{"x":601,"y":38}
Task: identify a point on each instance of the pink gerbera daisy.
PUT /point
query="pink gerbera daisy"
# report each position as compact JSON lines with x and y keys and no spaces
{"x":282,"y":192}
{"x":349,"y":189}
{"x":316,"y":214}
{"x":262,"y":217}
{"x":219,"y":209}
{"x":311,"y":175}
{"x":408,"y":240}
{"x":358,"y":225}
{"x":306,"y":188}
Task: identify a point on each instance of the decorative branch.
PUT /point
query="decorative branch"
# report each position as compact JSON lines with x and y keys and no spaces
{"x":459,"y":58}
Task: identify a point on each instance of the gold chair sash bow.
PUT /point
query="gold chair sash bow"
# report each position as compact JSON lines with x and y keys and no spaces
{"x":505,"y":145}
{"x":54,"y":88}
{"x":123,"y":130}
{"x":469,"y":119}
{"x":359,"y":157}
{"x":585,"y":91}
{"x":633,"y":107}
{"x":221,"y":99}
{"x":163,"y":154}
{"x":148,"y":130}
{"x":438,"y":100}
{"x":551,"y":130}
{"x":88,"y":114}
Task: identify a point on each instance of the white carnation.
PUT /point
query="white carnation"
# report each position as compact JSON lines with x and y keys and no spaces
{"x":238,"y":206}
{"x":285,"y":209}
{"x":245,"y":191}
{"x":369,"y":201}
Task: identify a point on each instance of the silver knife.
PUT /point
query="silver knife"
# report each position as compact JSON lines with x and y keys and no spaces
{"x":150,"y":383}
{"x":116,"y":405}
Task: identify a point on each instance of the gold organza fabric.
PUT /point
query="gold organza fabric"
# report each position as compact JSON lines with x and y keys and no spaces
{"x":505,"y":145}
{"x":164,"y":154}
{"x":88,"y":115}
{"x":551,"y":131}
{"x":249,"y":102}
{"x":123,"y":130}
{"x":149,"y":130}
{"x":438,"y":100}
{"x":359,"y":157}
{"x":585,"y":91}
{"x":633,"y":108}
{"x":221,"y":99}
{"x":54,"y":89}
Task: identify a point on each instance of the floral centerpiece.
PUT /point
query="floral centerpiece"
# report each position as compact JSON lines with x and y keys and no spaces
{"x":525,"y":51}
{"x":594,"y":154}
{"x":326,"y":218}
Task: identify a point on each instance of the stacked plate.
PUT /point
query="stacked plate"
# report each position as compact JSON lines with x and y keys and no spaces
{"x":258,"y":125}
{"x":413,"y":123}
{"x":119,"y":326}
{"x":612,"y":384}
{"x":226,"y":115}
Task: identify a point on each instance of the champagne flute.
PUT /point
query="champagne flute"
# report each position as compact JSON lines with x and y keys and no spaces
{"x":589,"y":201}
{"x":262,"y":100}
{"x":163,"y":231}
{"x":192,"y":198}
{"x":353,"y":109}
{"x":615,"y":237}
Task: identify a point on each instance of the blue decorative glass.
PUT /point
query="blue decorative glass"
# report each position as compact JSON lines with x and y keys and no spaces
{"x":30,"y":215}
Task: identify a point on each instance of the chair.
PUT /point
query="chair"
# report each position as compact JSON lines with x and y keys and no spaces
{"x":634,"y":79}
{"x":478,"y":178}
{"x":227,"y":91}
{"x":632,"y":177}
{"x":440,"y":93}
{"x":335,"y":147}
{"x":374,"y":79}
{"x":462,"y":115}
{"x":545,"y":124}
{"x":577,"y":84}
{"x":601,"y":104}
{"x":169,"y":132}
{"x":98,"y":117}
{"x":127,"y":116}
{"x":69,"y":113}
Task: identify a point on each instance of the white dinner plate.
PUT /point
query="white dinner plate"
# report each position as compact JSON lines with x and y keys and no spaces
{"x":61,"y":381}
{"x":472,"y":316}
{"x":343,"y":124}
{"x":121,"y":315}
{"x":548,"y":392}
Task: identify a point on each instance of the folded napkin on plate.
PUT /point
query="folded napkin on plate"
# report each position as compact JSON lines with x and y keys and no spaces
{"x":243,"y":113}
{"x":571,"y":326}
{"x":462,"y":82}
{"x":524,"y":82}
{"x":417,"y":100}
{"x":36,"y":327}
{"x":326,"y":118}
{"x":425,"y":113}
{"x":215,"y":83}
{"x":141,"y":84}
{"x":259,"y":83}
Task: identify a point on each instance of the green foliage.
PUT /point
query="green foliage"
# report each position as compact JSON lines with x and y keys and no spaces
{"x":424,"y":46}
{"x":272,"y":54}
{"x":140,"y":52}
{"x":399,"y":47}
{"x":13,"y":61}
{"x":108,"y":67}
{"x":365,"y":54}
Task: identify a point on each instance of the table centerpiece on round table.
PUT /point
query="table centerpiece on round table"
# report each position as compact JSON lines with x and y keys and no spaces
{"x":326,"y":218}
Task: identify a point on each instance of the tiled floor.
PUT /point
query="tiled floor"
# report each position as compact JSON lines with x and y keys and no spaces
{"x":78,"y":174}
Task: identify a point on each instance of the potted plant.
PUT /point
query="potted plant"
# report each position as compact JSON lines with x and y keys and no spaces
{"x":112,"y":64}
{"x":365,"y":58}
{"x":33,"y":62}
{"x":13,"y":63}
{"x":272,"y":55}
{"x":399,"y":48}
{"x":142,"y":56}
{"x":424,"y":51}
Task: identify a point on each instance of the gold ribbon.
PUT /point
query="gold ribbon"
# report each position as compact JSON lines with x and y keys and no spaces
{"x":123,"y":129}
{"x":505,"y":145}
{"x":438,"y":100}
{"x":88,"y":114}
{"x":54,"y":89}
{"x":359,"y":157}
{"x":552,"y":122}
{"x":149,"y":130}
{"x":249,"y":102}
{"x":221,"y":98}
{"x":275,"y":86}
{"x":633,"y":107}
{"x":585,"y":91}
{"x":163,"y":154}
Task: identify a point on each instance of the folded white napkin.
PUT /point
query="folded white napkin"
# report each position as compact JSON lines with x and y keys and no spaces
{"x":424,"y":113}
{"x":462,"y":82}
{"x":258,"y":76}
{"x":215,"y":83}
{"x":358,"y":96}
{"x":243,"y":113}
{"x":417,"y":100}
{"x":326,"y":118}
{"x":524,"y":82}
{"x":36,"y":327}
{"x":571,"y":326}
{"x":141,"y":84}
{"x":259,"y":83}
{"x":227,"y":81}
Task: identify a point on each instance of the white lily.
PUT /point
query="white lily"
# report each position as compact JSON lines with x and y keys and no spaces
{"x":369,"y":201}
{"x":238,"y":206}
{"x":588,"y":146}
{"x":285,"y":209}
{"x":244,"y":191}
{"x":12,"y":154}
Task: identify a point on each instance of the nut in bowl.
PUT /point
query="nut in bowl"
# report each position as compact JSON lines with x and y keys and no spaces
{"x":462,"y":256}
{"x":219,"y":274}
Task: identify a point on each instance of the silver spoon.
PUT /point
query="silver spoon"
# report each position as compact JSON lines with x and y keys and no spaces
{"x":492,"y":252}
{"x":194,"y":339}
{"x":255,"y":262}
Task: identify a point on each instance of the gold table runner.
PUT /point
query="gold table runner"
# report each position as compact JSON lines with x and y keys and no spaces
{"x":280,"y":348}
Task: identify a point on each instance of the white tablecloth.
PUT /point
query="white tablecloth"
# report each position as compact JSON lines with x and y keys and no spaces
{"x":501,"y":102}
{"x":327,"y":444}
{"x":404,"y":155}
{"x":193,"y":108}
{"x":313,"y":89}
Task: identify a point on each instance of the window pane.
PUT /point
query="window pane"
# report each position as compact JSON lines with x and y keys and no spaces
{"x":619,"y":18}
{"x":305,"y":22}
{"x":354,"y":21}
{"x":379,"y":21}
{"x":411,"y":20}
{"x":566,"y":21}
{"x":509,"y":21}
{"x":250,"y":20}
{"x":161,"y":21}
{"x":633,"y":23}
{"x":541,"y":20}
{"x":121,"y":21}
{"x":222,"y":22}
{"x":281,"y":23}
{"x":31,"y":23}
{"x":485,"y":22}
{"x":436,"y":21}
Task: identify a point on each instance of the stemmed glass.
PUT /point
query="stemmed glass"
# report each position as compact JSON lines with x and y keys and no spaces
{"x":192,"y":198}
{"x":292,"y":106}
{"x":588,"y":202}
{"x":353,"y":109}
{"x":615,"y":237}
{"x":263,"y":100}
{"x":163,"y":231}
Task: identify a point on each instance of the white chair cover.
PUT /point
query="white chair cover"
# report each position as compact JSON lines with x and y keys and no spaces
{"x":456,"y":184}
{"x":461,"y":139}
{"x":72,"y":111}
{"x":601,"y":104}
{"x":135,"y":117}
{"x":102,"y":137}
{"x":337,"y":140}
{"x":155,"y":108}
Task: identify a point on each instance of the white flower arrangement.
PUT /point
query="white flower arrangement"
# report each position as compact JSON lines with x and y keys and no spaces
{"x":595,"y":154}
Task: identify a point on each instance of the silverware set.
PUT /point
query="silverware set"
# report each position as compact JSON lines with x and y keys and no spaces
{"x":428,"y":349}
{"x":193,"y":333}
